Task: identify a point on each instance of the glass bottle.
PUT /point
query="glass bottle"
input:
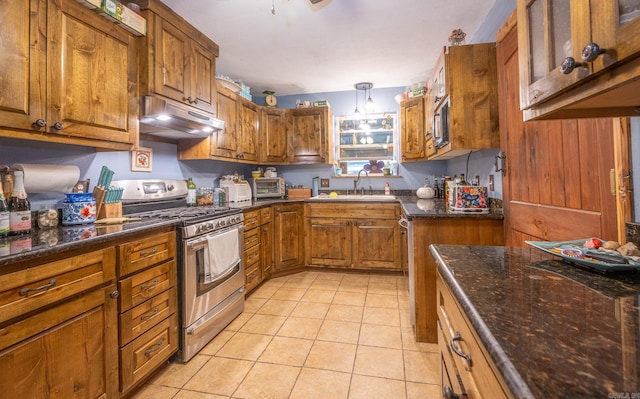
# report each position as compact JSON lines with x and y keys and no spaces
{"x":462,"y":182}
{"x":191,"y":192}
{"x":4,"y":214}
{"x":19,"y":207}
{"x":8,"y":186}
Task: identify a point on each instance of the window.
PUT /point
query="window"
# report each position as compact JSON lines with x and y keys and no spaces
{"x":366,"y":140}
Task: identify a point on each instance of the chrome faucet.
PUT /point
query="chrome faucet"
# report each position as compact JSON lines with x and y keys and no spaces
{"x":355,"y":181}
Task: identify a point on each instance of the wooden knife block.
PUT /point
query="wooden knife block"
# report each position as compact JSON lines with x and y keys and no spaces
{"x":113,"y":210}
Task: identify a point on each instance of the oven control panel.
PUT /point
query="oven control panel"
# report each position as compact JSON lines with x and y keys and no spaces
{"x":214,"y":224}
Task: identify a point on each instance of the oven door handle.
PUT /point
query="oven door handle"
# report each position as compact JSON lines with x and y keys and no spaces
{"x":194,"y":243}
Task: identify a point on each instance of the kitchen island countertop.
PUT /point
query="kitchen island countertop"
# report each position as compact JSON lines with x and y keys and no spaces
{"x":552,"y":330}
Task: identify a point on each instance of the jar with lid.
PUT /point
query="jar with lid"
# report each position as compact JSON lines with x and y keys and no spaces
{"x":47,"y":217}
{"x":204,"y":196}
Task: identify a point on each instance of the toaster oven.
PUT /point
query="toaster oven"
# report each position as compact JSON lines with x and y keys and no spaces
{"x":268,"y":187}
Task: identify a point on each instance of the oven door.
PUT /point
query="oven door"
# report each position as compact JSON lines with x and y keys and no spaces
{"x":203,"y":294}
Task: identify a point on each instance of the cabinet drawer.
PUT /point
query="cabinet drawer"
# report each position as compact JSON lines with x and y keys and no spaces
{"x":266,"y":215}
{"x":251,"y":256}
{"x":253,"y":277}
{"x":144,"y":354}
{"x":251,"y":219}
{"x":477,"y":376}
{"x":29,"y":289}
{"x":251,"y":238}
{"x":145,"y":252}
{"x":142,"y":286}
{"x":139,"y":319}
{"x":354,"y":210}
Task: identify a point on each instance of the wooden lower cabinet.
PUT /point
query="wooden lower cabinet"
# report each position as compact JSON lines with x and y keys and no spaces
{"x":147,"y":306}
{"x":258,"y":246}
{"x":473,"y":376}
{"x":354,"y":235}
{"x":454,"y":230}
{"x":288,"y":232}
{"x":58,"y":330}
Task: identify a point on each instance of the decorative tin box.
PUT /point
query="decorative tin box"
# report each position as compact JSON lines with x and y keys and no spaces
{"x":470,"y":199}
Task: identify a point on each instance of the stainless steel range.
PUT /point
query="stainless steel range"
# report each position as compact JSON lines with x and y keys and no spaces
{"x":210,"y":265}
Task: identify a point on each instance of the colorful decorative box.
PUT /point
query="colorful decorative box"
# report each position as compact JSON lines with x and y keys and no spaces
{"x":470,"y":199}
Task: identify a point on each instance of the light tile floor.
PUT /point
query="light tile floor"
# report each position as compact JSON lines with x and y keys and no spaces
{"x":311,"y":335}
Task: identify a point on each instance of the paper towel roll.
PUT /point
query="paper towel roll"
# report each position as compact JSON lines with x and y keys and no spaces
{"x":42,"y":178}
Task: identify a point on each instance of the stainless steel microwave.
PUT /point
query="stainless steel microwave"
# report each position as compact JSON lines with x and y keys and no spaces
{"x":268,"y":187}
{"x":440,"y":128}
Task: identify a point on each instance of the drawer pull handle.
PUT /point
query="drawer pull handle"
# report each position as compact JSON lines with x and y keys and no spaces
{"x":458,"y":352}
{"x":253,"y":275}
{"x":25,"y":290}
{"x":150,"y":285}
{"x":149,"y":351}
{"x":147,"y":253}
{"x":150,"y":314}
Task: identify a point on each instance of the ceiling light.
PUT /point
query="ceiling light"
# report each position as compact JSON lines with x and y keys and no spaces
{"x":364,"y":86}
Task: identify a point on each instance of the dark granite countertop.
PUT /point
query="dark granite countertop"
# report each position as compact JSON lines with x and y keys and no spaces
{"x":415,"y":207}
{"x":44,"y":242}
{"x":553,"y":330}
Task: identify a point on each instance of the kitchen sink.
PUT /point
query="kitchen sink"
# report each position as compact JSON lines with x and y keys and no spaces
{"x":358,"y":198}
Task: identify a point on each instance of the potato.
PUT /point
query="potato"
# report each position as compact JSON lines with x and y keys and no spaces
{"x":629,"y":249}
{"x":611,"y":245}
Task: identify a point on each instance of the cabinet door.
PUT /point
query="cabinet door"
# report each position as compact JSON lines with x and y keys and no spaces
{"x":616,"y":29}
{"x":91,"y":75}
{"x":550,"y":31}
{"x":248,"y":130}
{"x":308,"y":137}
{"x":412,"y":130}
{"x":266,"y":241}
{"x":288,"y":232}
{"x":224,"y":143}
{"x":22,"y":65}
{"x":329,"y":242}
{"x":203,"y":83}
{"x":172,"y":50}
{"x":376,"y":244}
{"x":273,"y":135}
{"x":68,"y":351}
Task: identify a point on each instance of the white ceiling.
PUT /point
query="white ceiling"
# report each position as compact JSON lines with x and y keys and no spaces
{"x":330,"y":46}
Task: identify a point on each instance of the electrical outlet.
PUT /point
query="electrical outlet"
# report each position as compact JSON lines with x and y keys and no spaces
{"x":324,"y":182}
{"x":491,"y":183}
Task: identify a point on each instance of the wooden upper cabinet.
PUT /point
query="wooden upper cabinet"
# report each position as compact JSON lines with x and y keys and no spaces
{"x":248,"y":130}
{"x":558,"y":80}
{"x":472,"y":98}
{"x":225,"y":142}
{"x":70,"y":74}
{"x":273,"y":135}
{"x":311,"y":135}
{"x":178,"y":61}
{"x":412,"y":132}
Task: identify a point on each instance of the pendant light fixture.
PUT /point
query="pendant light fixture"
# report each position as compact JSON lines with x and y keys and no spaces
{"x":357,"y":111}
{"x":364,"y":86}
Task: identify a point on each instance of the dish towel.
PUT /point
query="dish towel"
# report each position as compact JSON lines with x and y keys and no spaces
{"x":223,"y":253}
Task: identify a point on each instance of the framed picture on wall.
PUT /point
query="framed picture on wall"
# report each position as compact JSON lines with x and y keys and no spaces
{"x":141,"y":160}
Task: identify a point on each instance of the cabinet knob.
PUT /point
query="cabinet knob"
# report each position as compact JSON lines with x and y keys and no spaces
{"x":592,"y":51}
{"x":58,"y":126}
{"x":40,"y":122}
{"x":569,"y":64}
{"x":447,"y":393}
{"x":114,"y":294}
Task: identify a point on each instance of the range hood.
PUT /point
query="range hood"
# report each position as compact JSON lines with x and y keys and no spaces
{"x":167,"y":118}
